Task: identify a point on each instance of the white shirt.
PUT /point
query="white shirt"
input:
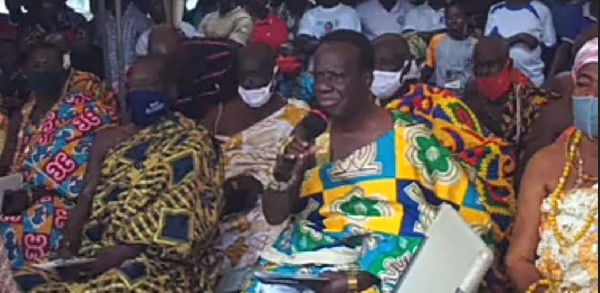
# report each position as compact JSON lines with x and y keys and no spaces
{"x":423,"y":18}
{"x":377,"y":21}
{"x":320,"y":21}
{"x":534,"y":19}
{"x":141,"y":48}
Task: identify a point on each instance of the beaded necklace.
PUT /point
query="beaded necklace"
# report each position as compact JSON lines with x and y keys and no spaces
{"x":555,"y":199}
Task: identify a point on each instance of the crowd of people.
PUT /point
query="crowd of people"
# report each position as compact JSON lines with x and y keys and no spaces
{"x":488,"y":106}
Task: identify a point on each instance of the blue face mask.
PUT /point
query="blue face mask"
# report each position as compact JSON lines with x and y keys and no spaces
{"x":147,"y":107}
{"x":585,"y":111}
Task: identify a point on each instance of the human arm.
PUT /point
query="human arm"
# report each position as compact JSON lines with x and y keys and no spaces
{"x":242,"y":31}
{"x":279,"y":203}
{"x":241,"y":193}
{"x":525,"y":235}
{"x":524,"y":38}
{"x":563,"y":54}
{"x":431,"y":61}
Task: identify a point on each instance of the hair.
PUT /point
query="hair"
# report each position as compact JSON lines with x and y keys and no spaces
{"x":359,"y":41}
{"x":455,"y":4}
{"x":395,"y":40}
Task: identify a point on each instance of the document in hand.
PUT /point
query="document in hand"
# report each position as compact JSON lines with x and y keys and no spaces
{"x":10,"y":182}
{"x":453,"y":259}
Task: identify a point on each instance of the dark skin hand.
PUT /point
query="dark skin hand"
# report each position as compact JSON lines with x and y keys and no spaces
{"x":526,"y":39}
{"x":241,"y":193}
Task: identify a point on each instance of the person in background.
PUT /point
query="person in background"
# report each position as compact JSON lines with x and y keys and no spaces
{"x":250,"y":143}
{"x":528,"y":27}
{"x":291,"y":12}
{"x":85,"y":55}
{"x":500,"y":92}
{"x":202,"y":9}
{"x":380,"y":17}
{"x":427,"y":18}
{"x":46,"y":17}
{"x":134,"y":23}
{"x":48,"y":142}
{"x":395,"y":68}
{"x":554,"y":242}
{"x":9,"y":23}
{"x":575,"y":23}
{"x":165,"y":179}
{"x":14,"y":89}
{"x":450,"y":58}
{"x":329,"y":16}
{"x":268,"y":28}
{"x":156,"y":10}
{"x":231,"y":23}
{"x":294,"y":81}
{"x":341,"y":174}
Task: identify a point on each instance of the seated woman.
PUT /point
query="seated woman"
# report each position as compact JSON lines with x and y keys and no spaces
{"x":152,"y":218}
{"x":555,"y":240}
{"x":251,"y":143}
{"x":369,"y":187}
{"x":48,"y":141}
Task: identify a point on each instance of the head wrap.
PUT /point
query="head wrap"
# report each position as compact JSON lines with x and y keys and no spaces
{"x":588,"y":54}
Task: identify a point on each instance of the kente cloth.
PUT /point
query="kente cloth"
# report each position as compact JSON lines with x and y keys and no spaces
{"x":254,"y":152}
{"x":514,"y":126}
{"x":161,"y":189}
{"x":52,"y":155}
{"x":489,"y":160}
{"x":573,"y":268}
{"x":385,"y":195}
{"x":7,"y":283}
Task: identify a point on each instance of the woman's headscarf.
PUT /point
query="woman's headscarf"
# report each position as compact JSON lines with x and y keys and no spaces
{"x":207,"y":76}
{"x":588,"y":54}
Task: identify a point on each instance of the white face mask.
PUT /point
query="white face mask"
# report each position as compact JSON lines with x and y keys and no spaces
{"x":386,"y":84}
{"x":256,"y":98}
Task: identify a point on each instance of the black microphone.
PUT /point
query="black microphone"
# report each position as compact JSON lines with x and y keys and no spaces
{"x":311,"y":127}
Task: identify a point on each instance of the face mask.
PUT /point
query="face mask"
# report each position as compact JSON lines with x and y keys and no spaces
{"x":585,"y":111}
{"x":46,"y":83}
{"x":256,"y":98}
{"x":495,"y":87}
{"x":386,"y":84}
{"x":147,"y":107}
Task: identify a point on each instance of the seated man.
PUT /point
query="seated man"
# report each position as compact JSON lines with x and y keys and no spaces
{"x":395,"y":68}
{"x":49,"y":141}
{"x":368,"y":188}
{"x":149,"y":218}
{"x":504,"y":100}
{"x":251,"y":142}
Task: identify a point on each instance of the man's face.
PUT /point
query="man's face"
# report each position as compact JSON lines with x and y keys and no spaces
{"x":44,"y":60}
{"x":488,"y":63}
{"x":253,"y":73}
{"x":389,"y":59}
{"x":226,"y":6}
{"x":338,"y":80}
{"x":456,"y":21}
{"x":157,"y":11}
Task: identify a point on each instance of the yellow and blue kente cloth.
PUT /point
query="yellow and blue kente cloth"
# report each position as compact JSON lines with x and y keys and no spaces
{"x":386,"y":194}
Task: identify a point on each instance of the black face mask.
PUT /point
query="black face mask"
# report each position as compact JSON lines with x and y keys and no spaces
{"x":46,"y":83}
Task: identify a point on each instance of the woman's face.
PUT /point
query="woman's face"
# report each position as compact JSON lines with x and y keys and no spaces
{"x":586,"y":81}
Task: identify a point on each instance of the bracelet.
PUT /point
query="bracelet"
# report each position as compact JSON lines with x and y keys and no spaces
{"x":541,"y":283}
{"x":352,"y":282}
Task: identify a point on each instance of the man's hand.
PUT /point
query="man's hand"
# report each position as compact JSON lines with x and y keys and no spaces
{"x":241,"y":193}
{"x":15,"y":202}
{"x":526,"y":39}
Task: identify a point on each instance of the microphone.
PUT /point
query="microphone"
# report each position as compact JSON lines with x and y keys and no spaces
{"x":311,"y":127}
